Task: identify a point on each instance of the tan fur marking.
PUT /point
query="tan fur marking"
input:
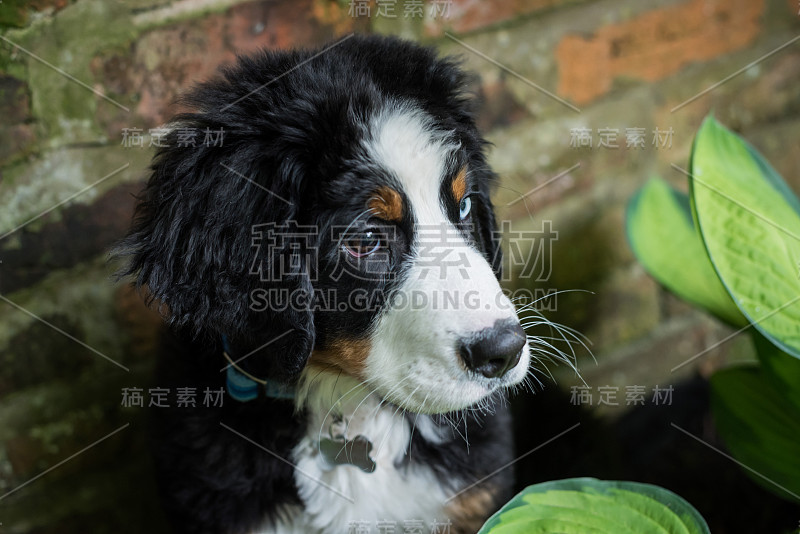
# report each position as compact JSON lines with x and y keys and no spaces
{"x":459,"y":185}
{"x":470,"y":510}
{"x":387,"y":204}
{"x":349,"y":355}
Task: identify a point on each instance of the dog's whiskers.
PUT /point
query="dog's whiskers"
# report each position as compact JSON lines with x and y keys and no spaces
{"x":543,"y":349}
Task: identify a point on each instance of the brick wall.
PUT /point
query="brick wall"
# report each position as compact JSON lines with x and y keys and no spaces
{"x":554,"y":74}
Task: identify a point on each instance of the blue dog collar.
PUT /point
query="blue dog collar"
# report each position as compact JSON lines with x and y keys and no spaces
{"x":244,"y":387}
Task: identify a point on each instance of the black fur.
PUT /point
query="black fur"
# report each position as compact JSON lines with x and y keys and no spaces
{"x":210,"y":479}
{"x":287,"y":137}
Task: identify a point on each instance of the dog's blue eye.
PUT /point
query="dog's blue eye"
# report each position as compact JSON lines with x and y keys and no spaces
{"x":464,"y":207}
{"x":363,"y":244}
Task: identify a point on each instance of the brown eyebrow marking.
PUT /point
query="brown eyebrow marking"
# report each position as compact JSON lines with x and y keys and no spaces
{"x":459,"y":185}
{"x":387,"y":204}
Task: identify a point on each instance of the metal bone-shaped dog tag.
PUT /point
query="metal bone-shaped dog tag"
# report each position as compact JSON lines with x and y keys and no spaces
{"x":342,"y":451}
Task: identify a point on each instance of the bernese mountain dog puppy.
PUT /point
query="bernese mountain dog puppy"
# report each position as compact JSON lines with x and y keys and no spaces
{"x":332,"y":264}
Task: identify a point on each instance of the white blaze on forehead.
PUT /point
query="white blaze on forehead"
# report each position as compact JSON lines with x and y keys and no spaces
{"x":403,"y":141}
{"x":415,"y":361}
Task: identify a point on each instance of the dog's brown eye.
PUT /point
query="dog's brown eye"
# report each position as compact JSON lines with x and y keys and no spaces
{"x":363,"y":244}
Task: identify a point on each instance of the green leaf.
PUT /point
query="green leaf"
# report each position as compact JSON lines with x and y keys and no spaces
{"x":750,"y":224}
{"x":781,"y":370}
{"x":760,"y":428}
{"x":662,"y":235}
{"x":588,"y":505}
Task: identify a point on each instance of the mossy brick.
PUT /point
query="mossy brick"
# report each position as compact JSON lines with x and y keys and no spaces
{"x":95,"y":392}
{"x":498,"y":106}
{"x":117,"y":497}
{"x":612,"y":314}
{"x":762,"y":94}
{"x":14,"y":99}
{"x":80,"y":231}
{"x":762,"y":104}
{"x":56,"y":432}
{"x":85,"y":293}
{"x":56,"y":420}
{"x":529,"y":58}
{"x":69,"y":434}
{"x":39,"y":354}
{"x":587,"y":251}
{"x":67,"y":112}
{"x":601,"y":294}
{"x":17,"y":137}
{"x":591,"y":244}
{"x":527,"y":146}
{"x":769,"y":93}
{"x":64,"y":110}
{"x":35,"y":186}
{"x":531,"y":152}
{"x":13,"y":13}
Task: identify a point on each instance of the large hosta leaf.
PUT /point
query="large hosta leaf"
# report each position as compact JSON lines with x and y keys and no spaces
{"x":750,"y":224}
{"x":760,"y":427}
{"x":662,"y":235}
{"x":588,"y":505}
{"x":781,"y":370}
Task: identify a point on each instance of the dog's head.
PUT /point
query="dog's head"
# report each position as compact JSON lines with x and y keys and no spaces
{"x":342,"y":222}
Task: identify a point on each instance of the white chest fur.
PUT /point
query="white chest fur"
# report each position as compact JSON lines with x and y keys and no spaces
{"x":396,"y":497}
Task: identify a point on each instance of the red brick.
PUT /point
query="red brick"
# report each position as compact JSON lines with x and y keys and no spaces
{"x":470,"y":15}
{"x":654,"y":45}
{"x":166,"y":61}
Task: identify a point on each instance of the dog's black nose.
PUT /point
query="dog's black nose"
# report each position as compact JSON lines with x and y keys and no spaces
{"x":494,"y":351}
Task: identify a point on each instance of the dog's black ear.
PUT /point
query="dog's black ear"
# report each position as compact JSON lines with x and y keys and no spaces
{"x":196,"y":246}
